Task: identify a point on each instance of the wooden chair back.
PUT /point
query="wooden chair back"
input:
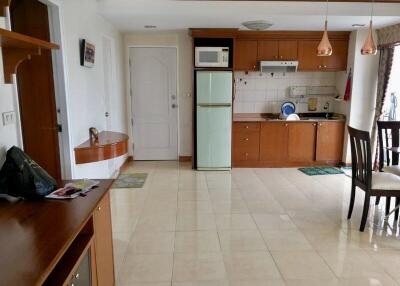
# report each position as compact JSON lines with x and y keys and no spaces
{"x":360,"y":144}
{"x":388,"y":136}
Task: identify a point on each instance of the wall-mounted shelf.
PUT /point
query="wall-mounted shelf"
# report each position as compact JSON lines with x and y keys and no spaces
{"x":17,"y":48}
{"x":109,"y":145}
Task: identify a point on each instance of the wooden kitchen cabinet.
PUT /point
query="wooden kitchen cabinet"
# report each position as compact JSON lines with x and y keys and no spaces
{"x":103,"y":243}
{"x":309,"y":61}
{"x":246,"y":142}
{"x":270,"y":50}
{"x":245,"y":58}
{"x":338,"y":60}
{"x":301,"y":142}
{"x":273,"y":141}
{"x":330,"y":136}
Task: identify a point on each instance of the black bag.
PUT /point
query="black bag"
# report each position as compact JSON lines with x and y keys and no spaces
{"x":20,"y":176}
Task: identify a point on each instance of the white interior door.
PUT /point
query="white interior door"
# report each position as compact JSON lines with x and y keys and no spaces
{"x":109,"y":89}
{"x":153,"y":74}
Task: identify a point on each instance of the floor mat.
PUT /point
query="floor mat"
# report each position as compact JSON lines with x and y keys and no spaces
{"x":314,"y":171}
{"x":125,"y":181}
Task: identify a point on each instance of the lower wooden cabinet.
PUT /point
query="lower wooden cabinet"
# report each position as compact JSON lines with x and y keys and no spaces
{"x":301,"y":142}
{"x":273,"y":142}
{"x":279,"y":144}
{"x":330,"y":138}
{"x":103,"y":243}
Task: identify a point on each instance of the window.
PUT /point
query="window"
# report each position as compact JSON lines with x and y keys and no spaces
{"x":391,"y":108}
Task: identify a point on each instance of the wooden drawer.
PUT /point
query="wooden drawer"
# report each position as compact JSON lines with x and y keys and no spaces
{"x":248,"y":140}
{"x":246,"y":126}
{"x":243,"y":154}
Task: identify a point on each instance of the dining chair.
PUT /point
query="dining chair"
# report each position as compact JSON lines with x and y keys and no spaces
{"x":388,"y":136}
{"x":372,"y":183}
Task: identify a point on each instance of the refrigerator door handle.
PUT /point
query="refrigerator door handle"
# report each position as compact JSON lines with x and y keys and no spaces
{"x":214,"y":105}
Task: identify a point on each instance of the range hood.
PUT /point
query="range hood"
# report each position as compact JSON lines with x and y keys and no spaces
{"x":278,"y":66}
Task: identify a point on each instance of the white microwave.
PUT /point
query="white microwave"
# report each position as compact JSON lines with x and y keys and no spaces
{"x":212,"y":57}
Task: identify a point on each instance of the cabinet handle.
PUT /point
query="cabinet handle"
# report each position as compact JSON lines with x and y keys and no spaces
{"x":247,"y":126}
{"x":325,"y":67}
{"x":281,"y":57}
{"x":319,"y":67}
{"x":320,"y":124}
{"x":246,"y":139}
{"x":99,"y":208}
{"x":286,"y":125}
{"x":77,"y":275}
{"x":315,"y":124}
{"x":254,"y":67}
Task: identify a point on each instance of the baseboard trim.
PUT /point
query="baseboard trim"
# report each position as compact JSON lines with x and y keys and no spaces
{"x":185,"y":158}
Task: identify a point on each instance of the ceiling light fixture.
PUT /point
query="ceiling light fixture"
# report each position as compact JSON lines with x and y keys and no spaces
{"x":369,"y":47}
{"x":324,"y":48}
{"x":358,"y":25}
{"x":259,"y":25}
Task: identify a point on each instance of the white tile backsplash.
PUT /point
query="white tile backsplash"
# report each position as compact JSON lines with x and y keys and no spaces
{"x":257,"y":92}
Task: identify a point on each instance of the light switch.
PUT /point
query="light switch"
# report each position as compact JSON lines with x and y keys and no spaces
{"x":8,"y":118}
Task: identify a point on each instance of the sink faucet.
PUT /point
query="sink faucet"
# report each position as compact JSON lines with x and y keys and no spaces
{"x":326,"y":107}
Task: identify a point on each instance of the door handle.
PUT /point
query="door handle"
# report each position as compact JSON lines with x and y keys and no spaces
{"x":174,"y":105}
{"x":107,"y":114}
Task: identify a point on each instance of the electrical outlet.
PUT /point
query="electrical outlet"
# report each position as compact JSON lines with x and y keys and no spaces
{"x":8,"y":118}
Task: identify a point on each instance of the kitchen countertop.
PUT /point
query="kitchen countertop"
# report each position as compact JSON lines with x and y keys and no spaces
{"x":271,"y":117}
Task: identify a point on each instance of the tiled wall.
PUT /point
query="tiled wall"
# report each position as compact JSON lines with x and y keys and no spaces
{"x":257,"y":92}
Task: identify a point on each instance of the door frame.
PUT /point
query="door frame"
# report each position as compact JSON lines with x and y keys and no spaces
{"x":130,"y":94}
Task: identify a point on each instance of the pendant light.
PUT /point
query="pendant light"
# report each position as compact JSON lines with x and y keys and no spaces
{"x":324,"y":48}
{"x":369,"y":47}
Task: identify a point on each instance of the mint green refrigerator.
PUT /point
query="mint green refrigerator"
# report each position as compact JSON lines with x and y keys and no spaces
{"x":214,"y":119}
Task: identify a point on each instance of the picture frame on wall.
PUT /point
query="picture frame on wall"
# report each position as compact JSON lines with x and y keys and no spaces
{"x":87,"y":53}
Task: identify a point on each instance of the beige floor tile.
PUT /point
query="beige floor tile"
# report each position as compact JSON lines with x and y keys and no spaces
{"x":195,"y":207}
{"x":235,"y":222}
{"x":241,"y":240}
{"x":198,"y":267}
{"x":263,"y":282}
{"x":351,"y":263}
{"x":388,"y":259}
{"x":147,"y":268}
{"x":225,"y":195}
{"x":302,"y":265}
{"x":202,"y":283}
{"x":188,"y":222}
{"x":250,"y":266}
{"x":373,"y":280}
{"x":312,"y":282}
{"x":124,"y":224}
{"x":273,"y":221}
{"x":269,"y":206}
{"x":330,"y":239}
{"x":285,"y":240}
{"x":193,"y":196}
{"x":152,"y":242}
{"x":197,"y":241}
{"x":230,"y":207}
{"x":157,"y":222}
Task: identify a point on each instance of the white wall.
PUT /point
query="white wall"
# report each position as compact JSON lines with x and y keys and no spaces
{"x":85,"y":85}
{"x":360,"y":110}
{"x":183,"y":42}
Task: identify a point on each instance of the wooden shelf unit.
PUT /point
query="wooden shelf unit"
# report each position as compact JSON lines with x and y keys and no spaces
{"x":110,"y":145}
{"x":17,"y":48}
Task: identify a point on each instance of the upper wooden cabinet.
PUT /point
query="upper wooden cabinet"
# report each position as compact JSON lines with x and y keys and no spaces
{"x":309,"y":61}
{"x":245,"y":58}
{"x":270,"y":50}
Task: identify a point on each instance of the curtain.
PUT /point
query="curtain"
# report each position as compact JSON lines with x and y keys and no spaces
{"x":389,"y":35}
{"x":385,"y":67}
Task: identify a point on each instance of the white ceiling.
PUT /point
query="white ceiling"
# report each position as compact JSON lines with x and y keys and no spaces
{"x":130,"y":15}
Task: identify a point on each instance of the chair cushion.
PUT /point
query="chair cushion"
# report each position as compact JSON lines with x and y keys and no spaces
{"x":392,"y":170}
{"x":385,"y":181}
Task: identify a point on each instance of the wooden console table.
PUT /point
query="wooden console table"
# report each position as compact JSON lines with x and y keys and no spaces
{"x":44,"y":242}
{"x":109,"y":145}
